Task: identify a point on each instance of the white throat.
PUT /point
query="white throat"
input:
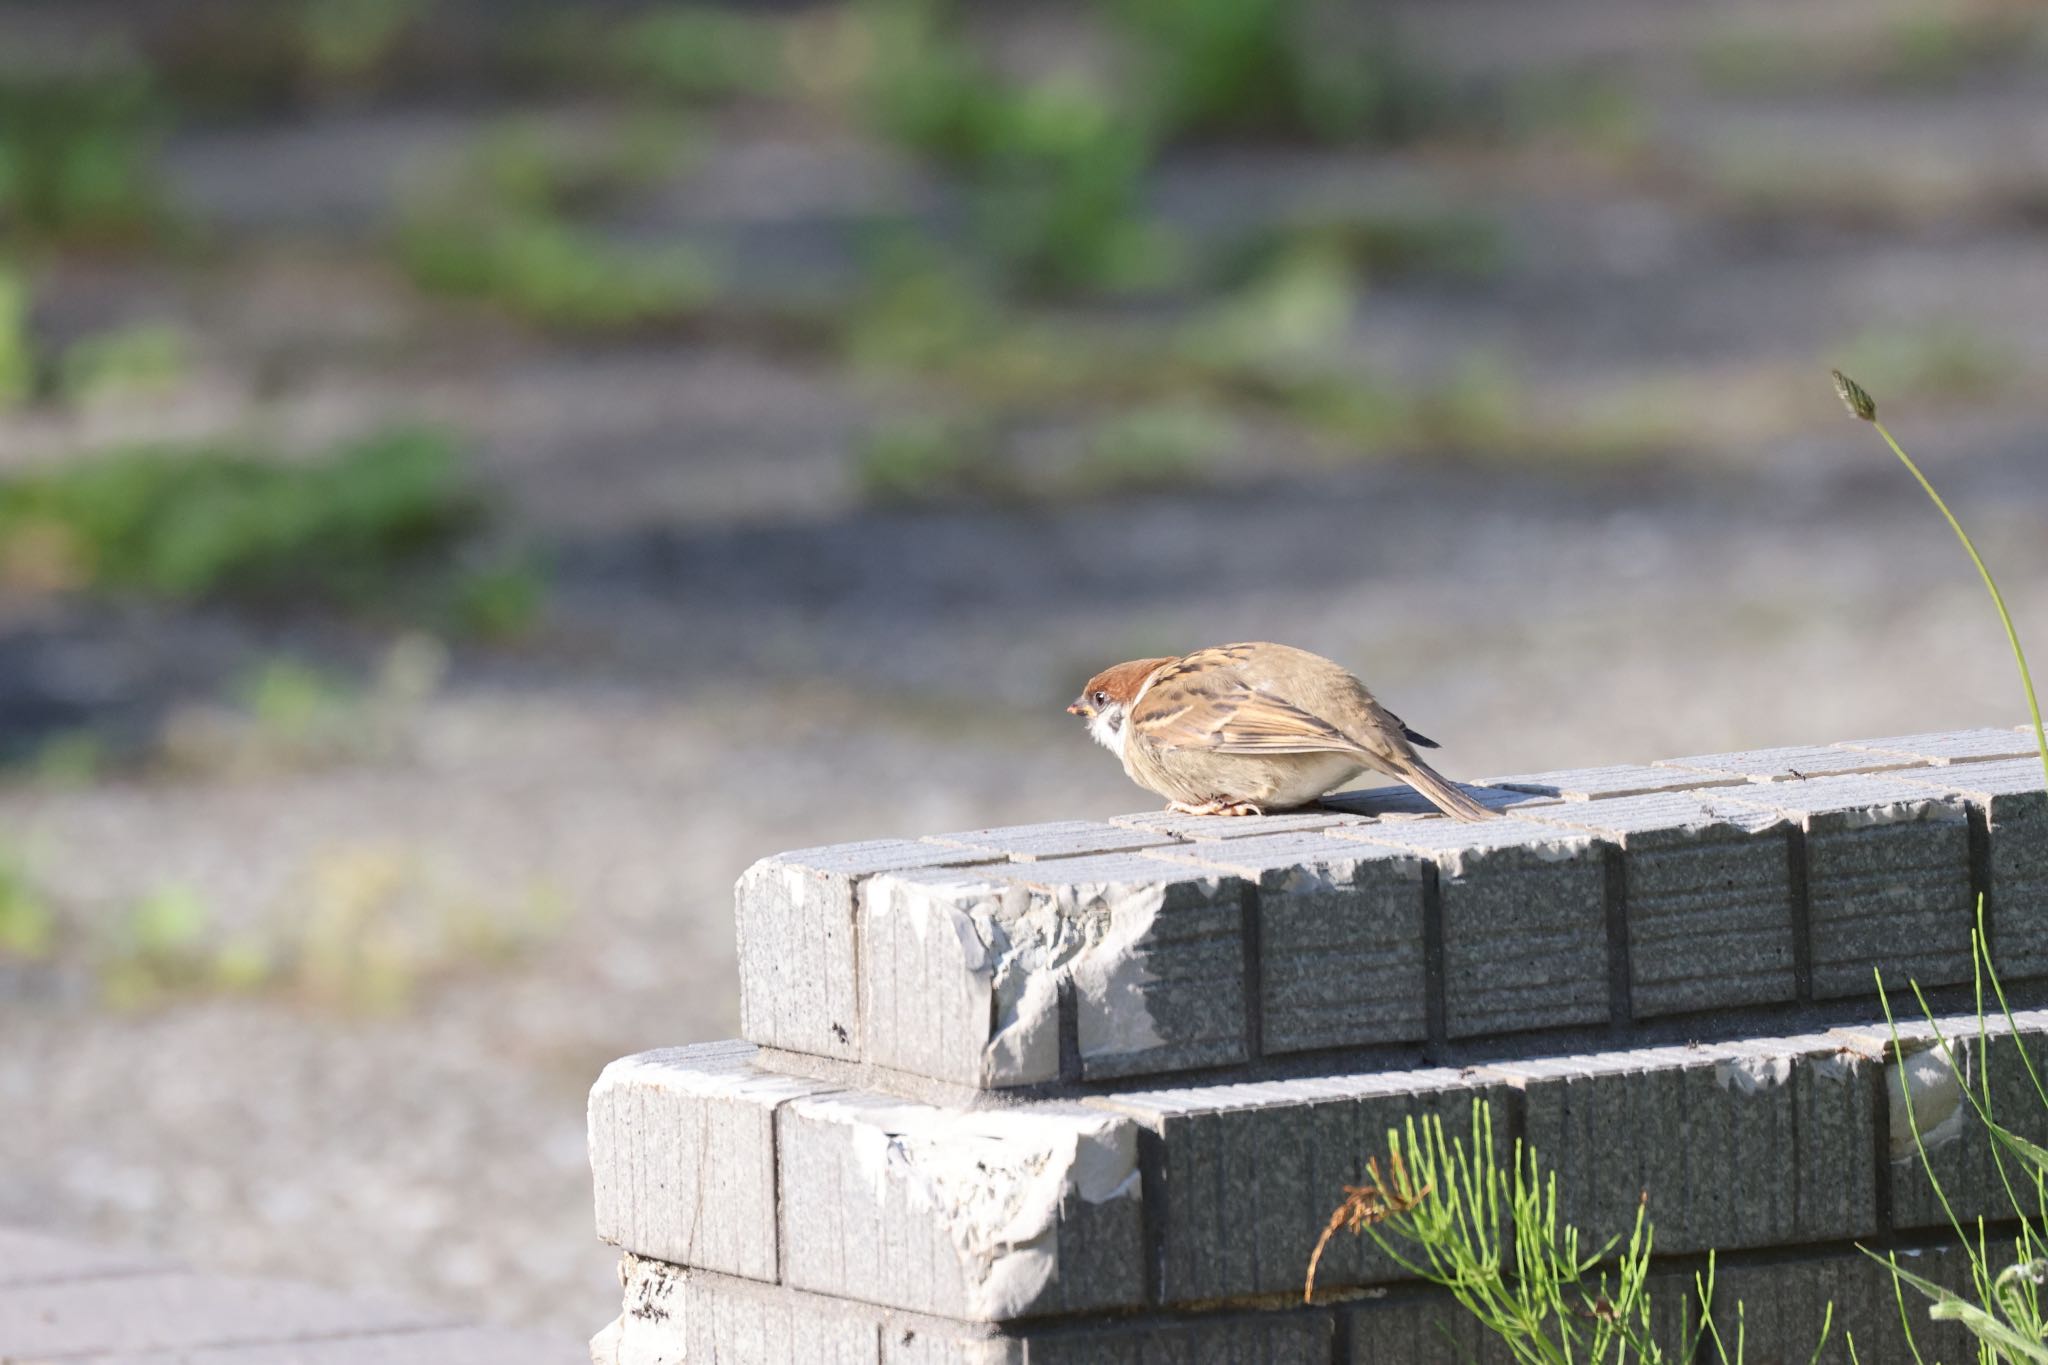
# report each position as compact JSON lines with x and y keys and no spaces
{"x":1107,"y":726}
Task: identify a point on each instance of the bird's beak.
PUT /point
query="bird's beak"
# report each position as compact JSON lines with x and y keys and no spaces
{"x":1079,"y":708}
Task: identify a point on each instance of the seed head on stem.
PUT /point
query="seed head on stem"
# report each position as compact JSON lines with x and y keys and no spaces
{"x":1855,"y":398}
{"x":1864,"y":407}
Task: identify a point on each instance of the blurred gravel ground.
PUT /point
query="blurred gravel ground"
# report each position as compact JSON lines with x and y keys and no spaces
{"x":740,"y":655}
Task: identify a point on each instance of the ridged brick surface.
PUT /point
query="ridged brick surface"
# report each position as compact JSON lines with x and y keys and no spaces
{"x":1155,"y":944}
{"x":1208,"y":1193}
{"x":1709,"y":896}
{"x":1737,"y":1145}
{"x":2006,"y":796}
{"x":1342,"y":958}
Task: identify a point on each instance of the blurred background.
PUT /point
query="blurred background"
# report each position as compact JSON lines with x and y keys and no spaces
{"x":474,"y":475}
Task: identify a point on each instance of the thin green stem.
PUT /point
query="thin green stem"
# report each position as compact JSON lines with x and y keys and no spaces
{"x":2012,"y":635}
{"x":1913,"y":1110}
{"x":1899,"y":1295}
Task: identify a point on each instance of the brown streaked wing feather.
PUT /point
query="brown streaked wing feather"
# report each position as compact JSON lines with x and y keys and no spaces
{"x":1207,"y":708}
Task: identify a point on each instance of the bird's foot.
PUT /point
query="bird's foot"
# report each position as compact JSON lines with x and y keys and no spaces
{"x":1217,"y":807}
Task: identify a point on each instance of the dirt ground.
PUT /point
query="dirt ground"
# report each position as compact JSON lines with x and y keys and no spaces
{"x":740,"y":653}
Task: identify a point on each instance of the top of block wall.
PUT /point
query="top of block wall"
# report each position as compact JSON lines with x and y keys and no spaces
{"x":1616,"y":897}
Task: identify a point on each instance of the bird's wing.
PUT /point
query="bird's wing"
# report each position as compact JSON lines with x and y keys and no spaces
{"x":1202,"y":704}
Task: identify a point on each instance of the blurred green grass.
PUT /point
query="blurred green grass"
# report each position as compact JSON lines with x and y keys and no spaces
{"x":1024,"y":279}
{"x":78,"y":155}
{"x":551,"y":272}
{"x":508,"y":226}
{"x":28,"y":927}
{"x":383,"y":526}
{"x":1277,"y":69}
{"x":373,"y":927}
{"x":201,"y":522}
{"x":1939,"y":360}
{"x":141,"y":358}
{"x":127,"y":361}
{"x":223,"y":59}
{"x":1916,"y":52}
{"x":17,"y":347}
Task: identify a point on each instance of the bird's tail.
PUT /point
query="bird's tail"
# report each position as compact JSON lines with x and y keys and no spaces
{"x":1443,"y":793}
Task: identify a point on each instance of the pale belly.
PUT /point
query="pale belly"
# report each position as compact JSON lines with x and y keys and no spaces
{"x":1274,"y":782}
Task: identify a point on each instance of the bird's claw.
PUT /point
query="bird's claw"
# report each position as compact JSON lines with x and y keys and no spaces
{"x":1218,"y":807}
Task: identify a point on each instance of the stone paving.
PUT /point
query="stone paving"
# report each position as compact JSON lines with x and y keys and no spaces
{"x":61,"y":1301}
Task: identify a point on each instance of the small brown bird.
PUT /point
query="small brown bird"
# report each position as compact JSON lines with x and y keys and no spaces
{"x":1243,"y":729}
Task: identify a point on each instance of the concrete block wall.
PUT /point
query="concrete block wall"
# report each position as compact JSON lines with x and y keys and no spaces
{"x":673,"y":1315}
{"x":1612,"y":900}
{"x":1089,"y":1091}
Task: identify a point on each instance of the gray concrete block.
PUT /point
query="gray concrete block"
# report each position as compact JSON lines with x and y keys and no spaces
{"x":2009,"y":793}
{"x":1944,"y":747}
{"x":1748,"y":1144}
{"x":1783,"y":1304}
{"x":1164,"y":987}
{"x":1525,"y":921}
{"x":797,"y":938}
{"x":682,"y":1156}
{"x":1404,"y":1326}
{"x":1789,"y":764}
{"x":1401,"y":1327}
{"x":961,"y":973}
{"x":1981,"y":783}
{"x":1059,"y":839}
{"x":956,"y":983}
{"x":1406,"y":802}
{"x":1210,"y":828}
{"x":759,"y":1326}
{"x":1300,"y":1336}
{"x":1909,"y":926}
{"x":935,"y":1342}
{"x":1616,"y":779}
{"x":676,"y":1316}
{"x":1249,"y":1173}
{"x":1887,"y":880}
{"x":1925,"y":1084}
{"x":1708,"y":891}
{"x":981,"y":1215}
{"x":1340,"y":938}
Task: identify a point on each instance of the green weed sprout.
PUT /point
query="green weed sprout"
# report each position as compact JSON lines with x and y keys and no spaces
{"x":78,"y":157}
{"x":17,"y":349}
{"x":28,"y":929}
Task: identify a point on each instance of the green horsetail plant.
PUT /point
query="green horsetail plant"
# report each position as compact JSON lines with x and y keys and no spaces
{"x":1447,"y":1211}
{"x":2009,"y":1315}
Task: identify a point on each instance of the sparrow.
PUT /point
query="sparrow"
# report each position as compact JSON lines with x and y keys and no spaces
{"x":1243,"y":729}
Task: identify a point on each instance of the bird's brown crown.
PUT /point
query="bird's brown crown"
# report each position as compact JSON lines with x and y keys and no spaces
{"x":1121,"y":682}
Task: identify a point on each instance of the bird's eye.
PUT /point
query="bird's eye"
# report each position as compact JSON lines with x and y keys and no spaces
{"x":1101,"y":699}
